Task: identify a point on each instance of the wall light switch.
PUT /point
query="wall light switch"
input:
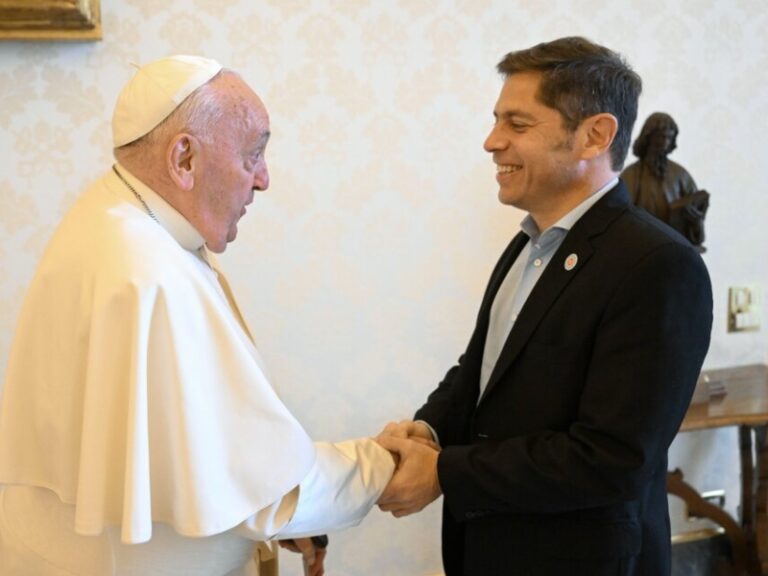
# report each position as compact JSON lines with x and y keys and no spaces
{"x":743,"y":308}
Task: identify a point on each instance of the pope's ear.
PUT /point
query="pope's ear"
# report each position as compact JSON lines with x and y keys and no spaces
{"x":182,"y":160}
{"x":599,"y":132}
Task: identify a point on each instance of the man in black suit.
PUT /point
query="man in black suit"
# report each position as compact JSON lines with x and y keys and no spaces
{"x":549,"y":438}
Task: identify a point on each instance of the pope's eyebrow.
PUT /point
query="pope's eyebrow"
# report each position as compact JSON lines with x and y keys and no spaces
{"x":261,"y":142}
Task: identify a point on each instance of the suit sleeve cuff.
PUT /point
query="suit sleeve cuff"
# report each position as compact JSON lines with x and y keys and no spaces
{"x":452,"y":474}
{"x":435,"y":437}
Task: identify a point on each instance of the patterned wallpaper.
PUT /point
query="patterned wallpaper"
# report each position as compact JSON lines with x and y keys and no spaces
{"x":361,"y":268}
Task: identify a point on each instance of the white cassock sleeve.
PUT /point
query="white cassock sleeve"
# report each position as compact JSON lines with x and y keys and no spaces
{"x":340,"y":489}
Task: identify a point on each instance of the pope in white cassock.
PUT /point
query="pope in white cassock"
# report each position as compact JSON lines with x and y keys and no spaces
{"x":139,"y":433}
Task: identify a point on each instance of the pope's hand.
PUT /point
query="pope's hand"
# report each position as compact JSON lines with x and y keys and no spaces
{"x":415,"y":483}
{"x":312,"y":556}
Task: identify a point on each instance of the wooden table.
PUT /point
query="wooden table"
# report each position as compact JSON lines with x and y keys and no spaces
{"x":745,"y":405}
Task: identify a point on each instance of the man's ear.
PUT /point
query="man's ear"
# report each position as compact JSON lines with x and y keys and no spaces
{"x":182,"y":158}
{"x":598,"y":135}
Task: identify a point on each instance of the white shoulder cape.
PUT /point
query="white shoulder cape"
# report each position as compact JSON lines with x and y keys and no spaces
{"x":131,"y":390}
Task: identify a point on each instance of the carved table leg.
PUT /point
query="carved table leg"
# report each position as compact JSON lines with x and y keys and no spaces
{"x":700,"y":508}
{"x":750,"y":496}
{"x":761,"y":490}
{"x":747,"y":479}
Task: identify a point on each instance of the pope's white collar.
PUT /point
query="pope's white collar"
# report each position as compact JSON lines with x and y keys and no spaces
{"x":165,"y":214}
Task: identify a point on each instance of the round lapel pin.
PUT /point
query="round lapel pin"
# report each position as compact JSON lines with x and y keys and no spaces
{"x":570,"y":262}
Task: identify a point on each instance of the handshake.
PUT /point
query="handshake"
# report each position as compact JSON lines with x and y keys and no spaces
{"x":414,"y":484}
{"x":412,"y":487}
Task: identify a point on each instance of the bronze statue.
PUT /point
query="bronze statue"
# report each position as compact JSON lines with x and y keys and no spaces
{"x":663,"y":187}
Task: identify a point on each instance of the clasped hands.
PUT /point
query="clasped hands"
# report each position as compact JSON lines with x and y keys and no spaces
{"x":414,"y":484}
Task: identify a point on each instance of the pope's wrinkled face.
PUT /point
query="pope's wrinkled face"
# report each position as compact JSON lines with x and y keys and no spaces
{"x":233,"y":163}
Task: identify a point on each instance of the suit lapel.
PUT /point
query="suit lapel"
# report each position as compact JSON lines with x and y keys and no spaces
{"x":499,"y":273}
{"x":556,"y":277}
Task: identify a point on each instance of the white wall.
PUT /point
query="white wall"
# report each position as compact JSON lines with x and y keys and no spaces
{"x":361,"y":269}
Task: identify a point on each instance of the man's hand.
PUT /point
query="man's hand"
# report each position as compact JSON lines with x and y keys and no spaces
{"x":414,"y":484}
{"x":411,"y":430}
{"x":312,"y":556}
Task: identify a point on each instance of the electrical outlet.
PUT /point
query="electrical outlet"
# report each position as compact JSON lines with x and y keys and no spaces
{"x":743,"y":308}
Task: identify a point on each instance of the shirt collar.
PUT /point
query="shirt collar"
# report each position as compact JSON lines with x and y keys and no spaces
{"x":165,"y":214}
{"x":566,"y":222}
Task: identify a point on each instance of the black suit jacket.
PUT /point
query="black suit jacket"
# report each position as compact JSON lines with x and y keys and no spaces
{"x":560,"y":467}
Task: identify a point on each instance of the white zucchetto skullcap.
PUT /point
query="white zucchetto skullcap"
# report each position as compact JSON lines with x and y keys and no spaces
{"x":155,"y":91}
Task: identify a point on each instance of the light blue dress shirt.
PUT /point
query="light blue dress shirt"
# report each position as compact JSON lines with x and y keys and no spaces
{"x":523,"y":276}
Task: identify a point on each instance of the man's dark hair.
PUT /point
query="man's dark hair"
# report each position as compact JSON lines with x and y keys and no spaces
{"x":580,"y":79}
